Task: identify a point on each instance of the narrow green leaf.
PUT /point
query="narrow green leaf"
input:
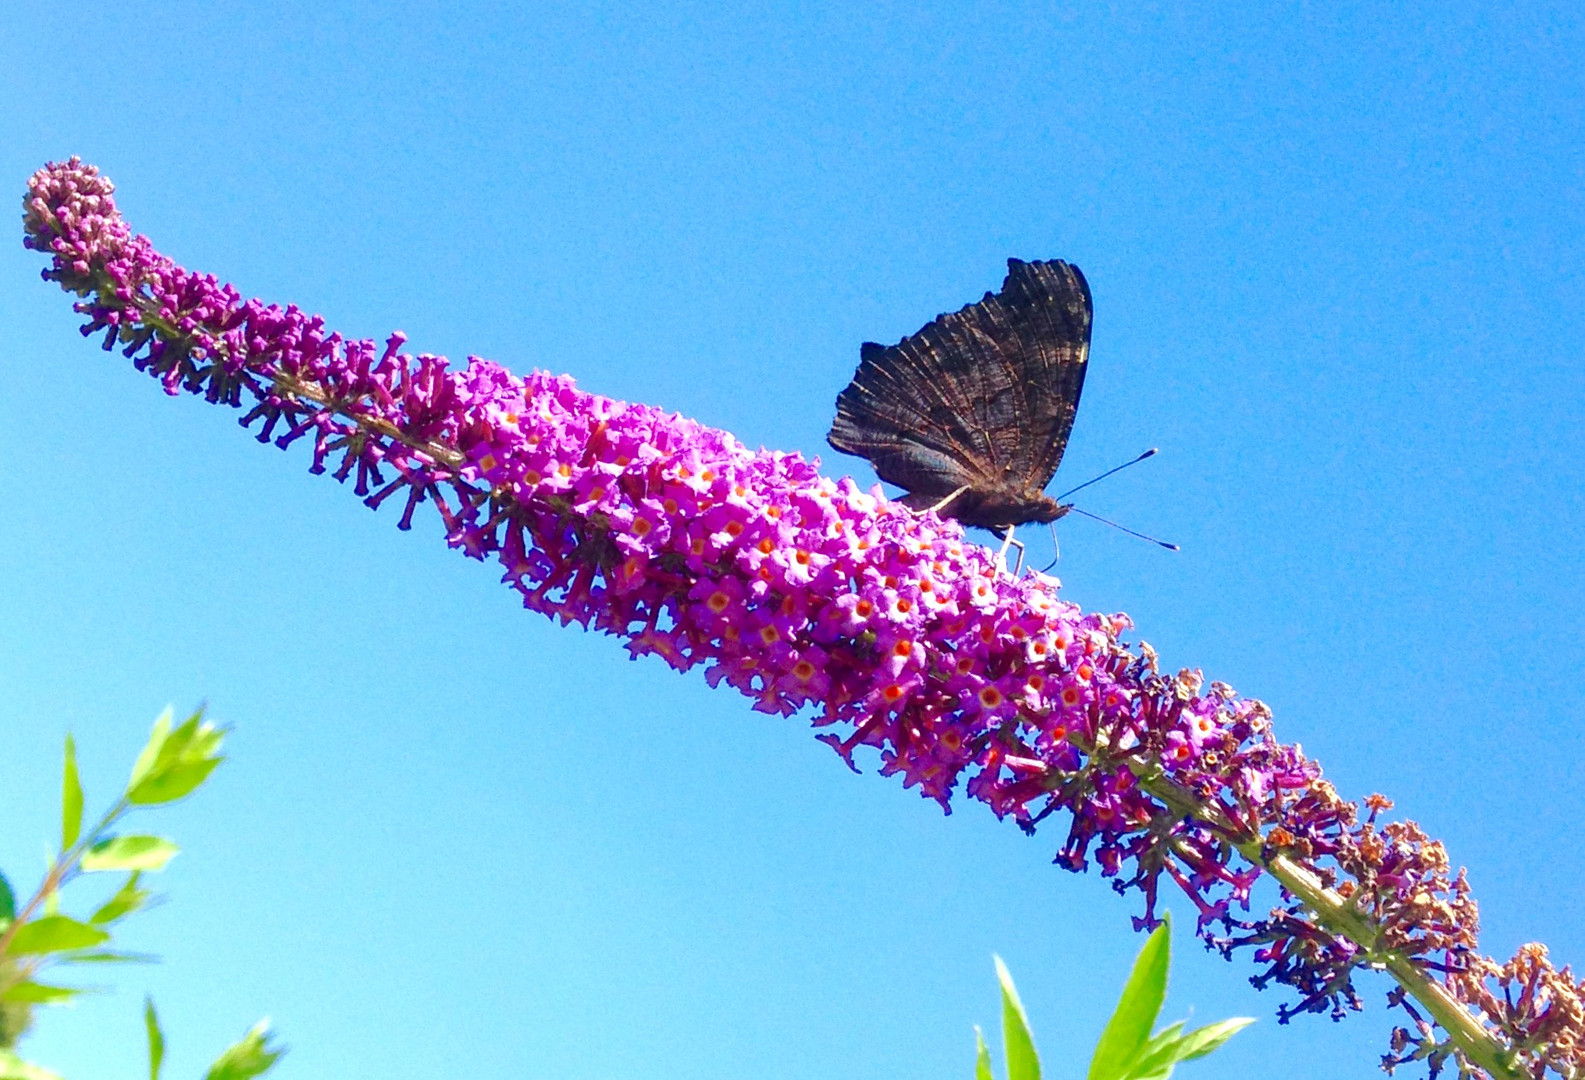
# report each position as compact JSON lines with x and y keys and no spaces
{"x":128,"y":898}
{"x":108,"y":956}
{"x":14,"y":1068}
{"x":71,"y":798}
{"x":1202,"y":1040}
{"x":55,"y":933}
{"x":151,"y":749}
{"x":250,"y":1057}
{"x":1160,"y":1069}
{"x":1128,"y":1031}
{"x":29,"y":992}
{"x":8,"y":901}
{"x":1019,"y":1046}
{"x":1160,"y":1052}
{"x":129,"y":853}
{"x":982,"y":1056}
{"x":151,"y":1022}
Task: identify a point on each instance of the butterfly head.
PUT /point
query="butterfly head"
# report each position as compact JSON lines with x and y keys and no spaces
{"x":1045,"y":509}
{"x":1051,"y":509}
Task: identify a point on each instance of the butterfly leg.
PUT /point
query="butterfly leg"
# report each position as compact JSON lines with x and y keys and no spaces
{"x":1007,"y":542}
{"x":938,"y":507}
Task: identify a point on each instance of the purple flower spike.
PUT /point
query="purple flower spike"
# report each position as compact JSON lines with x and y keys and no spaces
{"x":808,"y":594}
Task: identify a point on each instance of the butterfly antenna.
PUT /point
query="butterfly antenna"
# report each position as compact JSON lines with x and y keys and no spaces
{"x":1124,"y":528}
{"x":1148,"y":453}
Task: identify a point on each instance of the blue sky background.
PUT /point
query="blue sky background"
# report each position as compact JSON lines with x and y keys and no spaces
{"x":1335,"y":251}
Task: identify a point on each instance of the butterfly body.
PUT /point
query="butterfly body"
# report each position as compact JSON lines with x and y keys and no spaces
{"x":971,"y":415}
{"x":991,"y":507}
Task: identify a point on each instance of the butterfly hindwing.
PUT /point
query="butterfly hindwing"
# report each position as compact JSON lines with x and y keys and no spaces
{"x":908,"y":430}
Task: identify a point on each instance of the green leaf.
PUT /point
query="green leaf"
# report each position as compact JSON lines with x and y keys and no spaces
{"x":169,"y":784}
{"x":31,"y":993}
{"x":1157,"y":1054}
{"x":129,"y":853}
{"x":1128,"y":1031}
{"x":1159,"y":1070}
{"x":1202,"y":1040}
{"x":108,"y":956}
{"x":71,"y":799}
{"x":1017,"y":1043}
{"x":14,"y":1068}
{"x":982,"y":1057}
{"x":151,"y":1022}
{"x":249,"y":1058}
{"x":175,"y":761}
{"x":55,"y":933}
{"x":151,"y":749}
{"x":1169,"y":1048}
{"x":128,"y":898}
{"x":8,"y":901}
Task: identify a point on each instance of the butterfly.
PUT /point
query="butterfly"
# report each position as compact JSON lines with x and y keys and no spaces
{"x":971,"y":414}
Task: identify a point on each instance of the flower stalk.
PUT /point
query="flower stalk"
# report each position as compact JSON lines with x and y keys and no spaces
{"x":899,"y":639}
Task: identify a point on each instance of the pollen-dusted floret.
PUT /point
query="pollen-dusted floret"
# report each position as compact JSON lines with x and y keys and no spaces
{"x":802,"y":591}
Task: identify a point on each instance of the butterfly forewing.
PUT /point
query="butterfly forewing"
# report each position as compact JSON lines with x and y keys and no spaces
{"x":982,"y":398}
{"x":1048,"y":308}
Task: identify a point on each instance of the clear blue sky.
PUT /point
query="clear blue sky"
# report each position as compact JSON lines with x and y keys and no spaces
{"x":1335,"y":251}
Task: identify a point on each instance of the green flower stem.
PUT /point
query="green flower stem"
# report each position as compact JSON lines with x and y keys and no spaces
{"x":59,"y":873}
{"x":1334,"y":912}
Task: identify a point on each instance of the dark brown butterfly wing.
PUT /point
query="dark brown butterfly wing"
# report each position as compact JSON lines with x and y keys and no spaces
{"x":1048,"y":309}
{"x":983,"y":397}
{"x":908,"y":426}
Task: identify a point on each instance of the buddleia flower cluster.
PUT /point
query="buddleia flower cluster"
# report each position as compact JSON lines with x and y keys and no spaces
{"x":903,"y":643}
